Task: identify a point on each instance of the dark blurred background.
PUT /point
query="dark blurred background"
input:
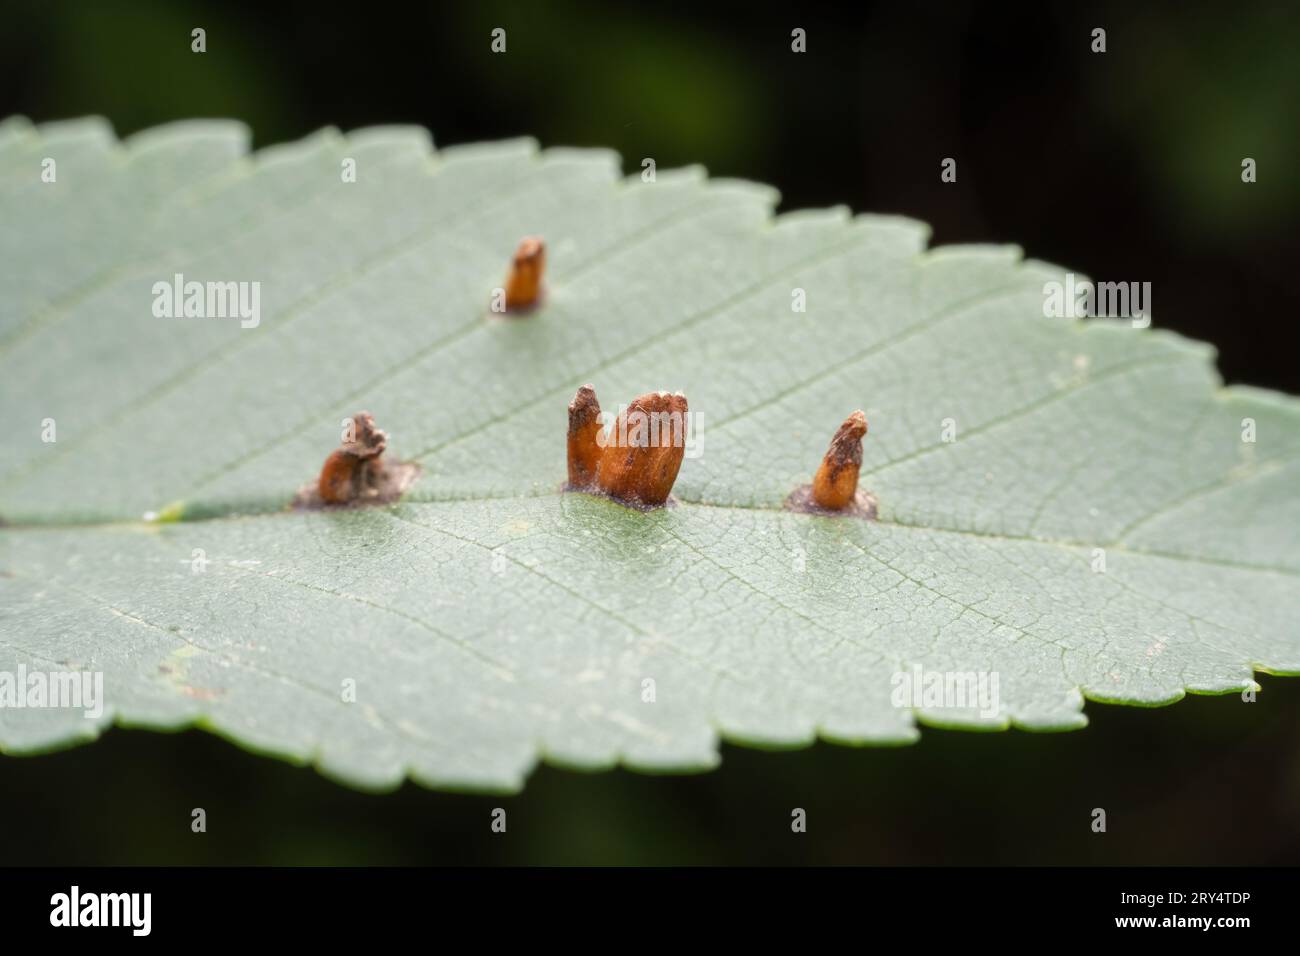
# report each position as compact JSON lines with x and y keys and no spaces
{"x":1124,"y":166}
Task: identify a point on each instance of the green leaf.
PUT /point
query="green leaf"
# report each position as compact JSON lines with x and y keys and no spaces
{"x":489,"y":620}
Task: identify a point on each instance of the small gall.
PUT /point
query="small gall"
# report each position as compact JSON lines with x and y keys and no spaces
{"x":357,"y":472}
{"x":834,"y":488}
{"x":836,"y":481}
{"x":584,"y":438}
{"x":638,"y":461}
{"x":523,"y":288}
{"x":345,"y":471}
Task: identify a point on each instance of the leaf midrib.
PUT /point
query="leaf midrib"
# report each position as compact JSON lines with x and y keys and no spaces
{"x":138,"y":525}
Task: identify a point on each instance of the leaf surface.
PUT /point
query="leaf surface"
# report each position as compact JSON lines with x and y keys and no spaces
{"x":488,"y":620}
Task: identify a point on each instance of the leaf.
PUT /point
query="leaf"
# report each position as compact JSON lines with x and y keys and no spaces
{"x":488,"y":620}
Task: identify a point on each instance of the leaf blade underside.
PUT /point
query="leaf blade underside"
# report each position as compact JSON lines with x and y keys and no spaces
{"x":489,"y":620}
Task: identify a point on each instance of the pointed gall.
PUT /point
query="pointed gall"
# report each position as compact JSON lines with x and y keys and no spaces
{"x":836,"y":481}
{"x":834,"y":489}
{"x":523,"y":286}
{"x":584,"y":438}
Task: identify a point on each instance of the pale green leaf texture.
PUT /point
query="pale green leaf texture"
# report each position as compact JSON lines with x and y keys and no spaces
{"x":489,"y":620}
